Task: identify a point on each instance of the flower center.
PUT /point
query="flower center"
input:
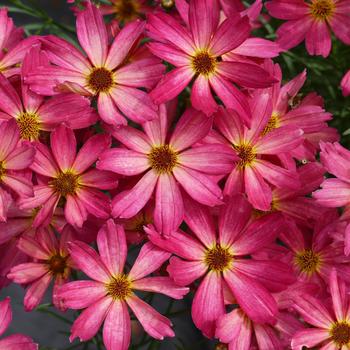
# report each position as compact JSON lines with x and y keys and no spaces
{"x":100,"y":80}
{"x":29,"y":126}
{"x":119,"y":288}
{"x":308,"y":261}
{"x":65,"y":183}
{"x":162,"y":159}
{"x":273,"y":123}
{"x":322,"y":9}
{"x":167,"y":4}
{"x":58,"y":264}
{"x":340,"y":333}
{"x":2,"y":170}
{"x":203,"y":63}
{"x":246,"y":153}
{"x":218,"y":258}
{"x":126,"y":9}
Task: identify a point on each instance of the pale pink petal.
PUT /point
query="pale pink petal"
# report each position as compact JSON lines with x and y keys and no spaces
{"x":337,"y":290}
{"x":21,"y":185}
{"x":9,"y":136}
{"x":202,"y":97}
{"x":27,"y":272}
{"x":156,"y":129}
{"x":109,"y":111}
{"x":117,"y":327}
{"x":170,"y":54}
{"x":87,"y":260}
{"x":74,"y":211}
{"x":208,"y":304}
{"x":267,"y":338}
{"x":318,"y":39}
{"x":156,"y":325}
{"x":333,"y":193}
{"x":133,"y":139}
{"x":21,"y":158}
{"x":90,"y":320}
{"x":44,"y":163}
{"x":35,"y":292}
{"x":92,"y":34}
{"x":10,"y":103}
{"x":150,"y":259}
{"x":34,"y":247}
{"x":309,"y":337}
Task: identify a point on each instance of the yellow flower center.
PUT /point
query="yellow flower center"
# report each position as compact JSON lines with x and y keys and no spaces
{"x":29,"y":126}
{"x":167,"y":4}
{"x":66,"y":183}
{"x":57,"y":265}
{"x":246,"y":153}
{"x":322,"y":9}
{"x":218,"y":258}
{"x":126,"y":10}
{"x":273,"y":123}
{"x":340,"y":333}
{"x":203,"y":63}
{"x":162,"y":159}
{"x":308,"y":261}
{"x":119,"y":287}
{"x":2,"y":170}
{"x":100,"y":80}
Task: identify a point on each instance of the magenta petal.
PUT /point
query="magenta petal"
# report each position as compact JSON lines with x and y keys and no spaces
{"x":202,"y":97}
{"x":44,"y":163}
{"x":5,"y":314}
{"x":18,"y":341}
{"x":156,"y":325}
{"x":103,"y":180}
{"x":149,"y":260}
{"x":9,"y":136}
{"x":35,"y":292}
{"x":9,"y":100}
{"x":252,"y":297}
{"x":90,"y":320}
{"x":111,"y":243}
{"x":338,"y":293}
{"x":133,"y":139}
{"x":318,"y":39}
{"x":108,"y":110}
{"x":74,"y":211}
{"x":208,"y":304}
{"x":309,"y":337}
{"x":21,"y":158}
{"x":117,"y":327}
{"x":169,"y":211}
{"x":27,"y":272}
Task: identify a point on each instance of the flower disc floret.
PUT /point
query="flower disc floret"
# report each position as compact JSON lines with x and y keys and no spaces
{"x":308,"y":261}
{"x":203,"y":63}
{"x":57,"y":264}
{"x":246,"y":153}
{"x":66,"y":183}
{"x":218,"y":258}
{"x":29,"y":126}
{"x":119,"y":287}
{"x":162,"y":159}
{"x":322,"y":9}
{"x":340,"y":333}
{"x":100,"y":80}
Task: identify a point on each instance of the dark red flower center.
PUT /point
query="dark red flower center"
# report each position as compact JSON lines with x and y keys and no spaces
{"x":66,"y":183}
{"x":218,"y":258}
{"x":203,"y":63}
{"x":119,"y":287}
{"x":340,"y":333}
{"x":100,"y":80}
{"x":29,"y":126}
{"x":322,"y":9}
{"x":162,"y":159}
{"x":126,"y":10}
{"x":308,"y":261}
{"x":57,"y":264}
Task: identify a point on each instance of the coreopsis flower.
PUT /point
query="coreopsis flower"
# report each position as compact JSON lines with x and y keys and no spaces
{"x":69,"y":175}
{"x":221,"y":262}
{"x":345,"y":84}
{"x":107,"y":73}
{"x":311,"y":21}
{"x":12,"y":45}
{"x":33,"y":114}
{"x":197,"y":52}
{"x":15,"y":158}
{"x":253,"y":174}
{"x":14,"y":341}
{"x":239,"y":332}
{"x":331,"y":327}
{"x":167,"y":162}
{"x":52,"y":262}
{"x":108,"y":296}
{"x":334,"y":192}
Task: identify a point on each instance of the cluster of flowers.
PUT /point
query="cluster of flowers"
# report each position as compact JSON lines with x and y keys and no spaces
{"x":93,"y":155}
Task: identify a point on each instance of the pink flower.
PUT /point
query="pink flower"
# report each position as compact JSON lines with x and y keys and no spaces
{"x":345,"y":84}
{"x":66,"y":174}
{"x":108,"y":296}
{"x":109,"y":73}
{"x":310,"y":21}
{"x":254,"y":173}
{"x":52,"y":263}
{"x":33,"y":114}
{"x":168,"y":161}
{"x":331,"y":322}
{"x":14,"y":341}
{"x":197,"y":52}
{"x":12,"y":47}
{"x":15,"y":158}
{"x":223,"y":264}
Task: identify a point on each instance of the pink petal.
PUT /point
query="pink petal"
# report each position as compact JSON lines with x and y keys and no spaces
{"x":199,"y":186}
{"x":95,"y":202}
{"x":87,"y":260}
{"x":170,"y":54}
{"x":81,"y":294}
{"x":90,"y":320}
{"x":74,"y":211}
{"x":123,"y":43}
{"x":33,"y":247}
{"x":337,"y":290}
{"x":309,"y":337}
{"x":111,"y":243}
{"x":18,"y":341}
{"x":9,"y":136}
{"x":318,"y":39}
{"x":157,"y":129}
{"x":333,"y":193}
{"x":185,"y":272}
{"x":252,"y":297}
{"x":150,"y":259}
{"x":5,"y":314}
{"x":35,"y":292}
{"x":27,"y":272}
{"x":168,"y":212}
{"x":117,"y":327}
{"x":21,"y":185}
{"x":156,"y":325}
{"x":128,"y":203}
{"x":109,"y":111}
{"x":44,"y":163}
{"x":163,"y":285}
{"x":287,"y":9}
{"x":257,"y":47}
{"x":208,"y":304}
{"x":92,"y":34}
{"x":267,"y":338}
{"x":123,"y":161}
{"x":21,"y":158}
{"x":10,"y":103}
{"x":103,"y":180}
{"x":340,"y":26}
{"x":133,"y":139}
{"x":202,"y":97}
{"x":63,"y":145}
{"x":44,"y":215}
